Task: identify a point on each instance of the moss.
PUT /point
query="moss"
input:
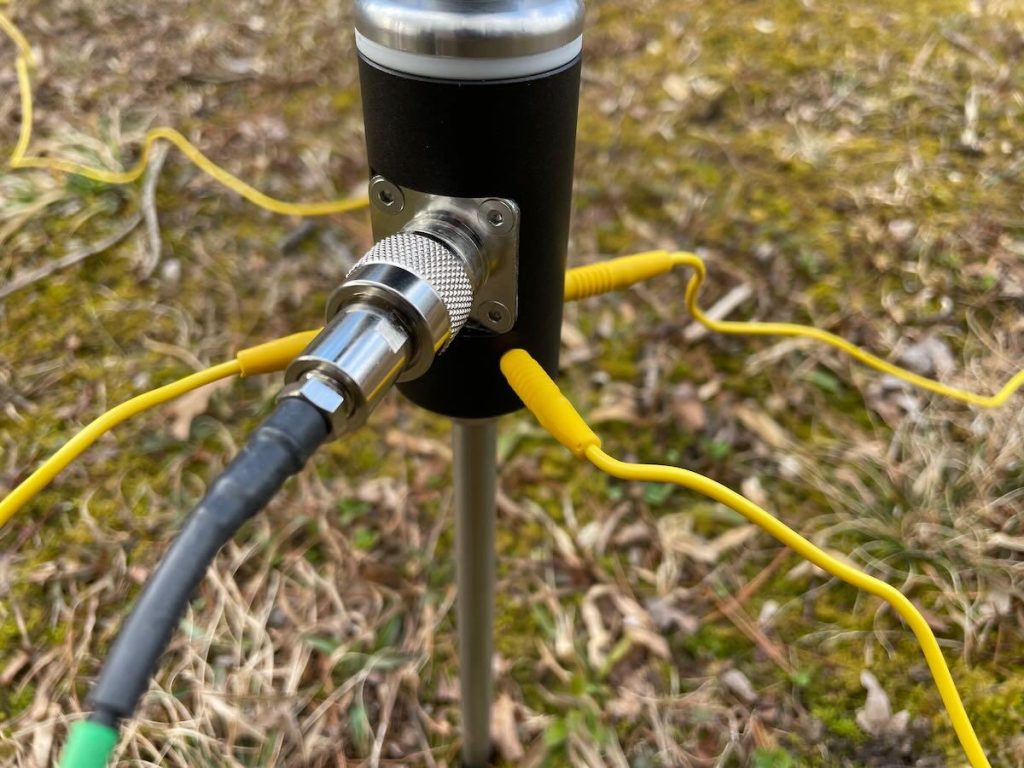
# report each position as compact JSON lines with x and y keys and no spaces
{"x":716,"y":641}
{"x":995,"y":702}
{"x":514,"y":630}
{"x":839,"y":720}
{"x":816,"y":137}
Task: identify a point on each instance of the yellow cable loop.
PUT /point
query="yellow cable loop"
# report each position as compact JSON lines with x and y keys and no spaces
{"x":542,"y":397}
{"x":20,"y":160}
{"x":619,"y":273}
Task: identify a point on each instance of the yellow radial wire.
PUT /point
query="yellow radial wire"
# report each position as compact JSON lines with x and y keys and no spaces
{"x":777,"y":529}
{"x":263,"y":358}
{"x":615,"y":274}
{"x":558,"y":416}
{"x":20,"y":159}
{"x":694,"y":262}
{"x":72,"y":449}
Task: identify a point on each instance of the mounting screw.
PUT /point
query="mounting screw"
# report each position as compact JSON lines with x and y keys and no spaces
{"x":496,"y":316}
{"x":499,"y":216}
{"x":385,"y":196}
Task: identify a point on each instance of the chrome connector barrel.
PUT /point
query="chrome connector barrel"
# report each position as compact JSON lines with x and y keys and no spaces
{"x":429,"y":280}
{"x":399,"y":307}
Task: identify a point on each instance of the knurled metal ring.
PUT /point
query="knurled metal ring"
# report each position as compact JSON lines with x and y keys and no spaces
{"x":432,"y":261}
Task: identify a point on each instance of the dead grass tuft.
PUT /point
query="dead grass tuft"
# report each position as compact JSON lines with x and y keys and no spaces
{"x":852,"y":165}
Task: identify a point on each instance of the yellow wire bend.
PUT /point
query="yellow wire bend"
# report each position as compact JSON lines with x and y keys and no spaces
{"x":72,"y":449}
{"x":565,"y":425}
{"x":264,"y":358}
{"x":694,"y":262}
{"x":615,"y":274}
{"x":20,"y":160}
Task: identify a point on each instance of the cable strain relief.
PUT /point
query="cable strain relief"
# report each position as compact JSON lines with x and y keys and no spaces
{"x":607,"y":276}
{"x":105,"y":716}
{"x":552,"y":409}
{"x":90,"y":745}
{"x":274,"y":355}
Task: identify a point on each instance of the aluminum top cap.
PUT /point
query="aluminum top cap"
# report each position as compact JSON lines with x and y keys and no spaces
{"x":479,"y":30}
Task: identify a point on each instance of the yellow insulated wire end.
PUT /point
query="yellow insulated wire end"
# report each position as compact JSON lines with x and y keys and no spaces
{"x":542,"y":396}
{"x":613,"y":275}
{"x":264,"y":358}
{"x":273,"y":355}
{"x":616,"y":274}
{"x":556,"y":414}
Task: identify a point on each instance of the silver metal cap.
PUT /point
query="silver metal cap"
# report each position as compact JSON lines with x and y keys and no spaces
{"x":490,"y":33}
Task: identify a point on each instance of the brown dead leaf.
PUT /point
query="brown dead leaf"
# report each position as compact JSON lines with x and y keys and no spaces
{"x":599,"y":639}
{"x":573,"y":337}
{"x":668,"y":617}
{"x":738,"y":685}
{"x":677,"y":87}
{"x":186,"y":408}
{"x":565,"y":634}
{"x":42,"y":739}
{"x":753,"y":490}
{"x":503,"y":729}
{"x":418,"y":446}
{"x":1005,"y":541}
{"x":930,"y":356}
{"x":687,"y":407}
{"x":632,"y":535}
{"x":675,"y":532}
{"x":14,"y":666}
{"x":639,"y":625}
{"x":625,"y":707}
{"x":548,"y":662}
{"x":622,"y":410}
{"x":876,"y":718}
{"x":761,"y":424}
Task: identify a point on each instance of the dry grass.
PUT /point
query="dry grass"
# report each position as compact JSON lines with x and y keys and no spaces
{"x":855,"y":164}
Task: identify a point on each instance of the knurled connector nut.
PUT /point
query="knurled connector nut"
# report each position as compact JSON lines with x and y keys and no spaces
{"x":421,"y":279}
{"x":432,"y":261}
{"x":322,"y":393}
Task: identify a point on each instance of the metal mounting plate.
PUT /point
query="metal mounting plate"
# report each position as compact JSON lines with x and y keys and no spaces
{"x":495,"y":223}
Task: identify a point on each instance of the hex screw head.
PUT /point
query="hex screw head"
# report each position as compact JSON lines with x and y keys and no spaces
{"x":324,"y":395}
{"x":497,"y":316}
{"x":498,"y":215}
{"x":385,"y":196}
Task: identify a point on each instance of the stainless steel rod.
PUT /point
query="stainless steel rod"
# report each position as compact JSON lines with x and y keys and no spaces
{"x":475,"y":474}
